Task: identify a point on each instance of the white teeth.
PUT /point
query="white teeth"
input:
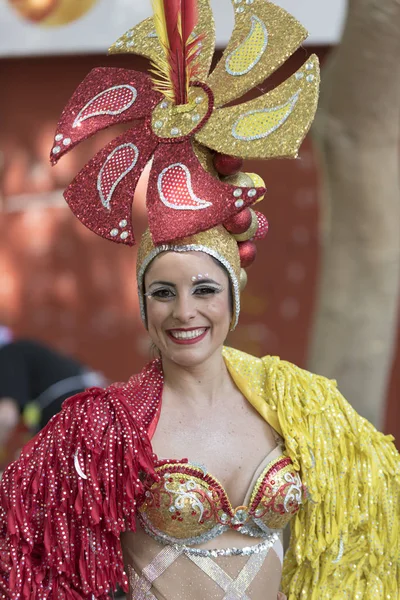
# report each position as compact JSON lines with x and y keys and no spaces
{"x":188,"y":335}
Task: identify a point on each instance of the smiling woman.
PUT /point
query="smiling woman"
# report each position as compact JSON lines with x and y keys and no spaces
{"x":179,"y":483}
{"x":188,"y":311}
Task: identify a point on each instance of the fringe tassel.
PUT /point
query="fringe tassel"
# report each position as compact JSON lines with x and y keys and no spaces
{"x":345,"y":543}
{"x":68,"y":498}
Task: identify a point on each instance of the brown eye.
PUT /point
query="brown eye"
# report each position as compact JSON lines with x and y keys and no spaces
{"x":206,"y":291}
{"x":163,"y":294}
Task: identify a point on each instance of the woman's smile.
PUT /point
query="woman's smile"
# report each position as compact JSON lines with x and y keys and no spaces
{"x":187,"y":336}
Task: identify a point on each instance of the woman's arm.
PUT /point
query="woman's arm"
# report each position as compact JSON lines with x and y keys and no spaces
{"x":64,"y":503}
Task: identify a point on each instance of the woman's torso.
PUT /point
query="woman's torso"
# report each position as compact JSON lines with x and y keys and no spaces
{"x":234,"y":444}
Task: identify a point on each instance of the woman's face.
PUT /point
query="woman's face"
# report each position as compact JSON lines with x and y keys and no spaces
{"x":187,"y":303}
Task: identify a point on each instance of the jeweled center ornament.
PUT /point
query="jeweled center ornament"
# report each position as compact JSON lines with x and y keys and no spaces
{"x":170,"y":120}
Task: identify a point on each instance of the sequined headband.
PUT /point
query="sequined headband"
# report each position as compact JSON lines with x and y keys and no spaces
{"x":180,"y":123}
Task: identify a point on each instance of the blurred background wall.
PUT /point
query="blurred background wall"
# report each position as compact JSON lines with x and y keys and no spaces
{"x":60,"y":283}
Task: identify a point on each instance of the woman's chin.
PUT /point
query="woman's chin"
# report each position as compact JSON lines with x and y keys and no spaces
{"x":191,"y":355}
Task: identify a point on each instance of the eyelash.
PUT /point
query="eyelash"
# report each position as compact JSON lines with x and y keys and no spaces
{"x":204,"y":291}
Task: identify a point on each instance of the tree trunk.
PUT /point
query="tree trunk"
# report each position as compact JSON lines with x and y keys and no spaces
{"x":357,"y":131}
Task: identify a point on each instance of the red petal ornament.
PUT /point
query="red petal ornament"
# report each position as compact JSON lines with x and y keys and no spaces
{"x":183,"y":199}
{"x":101,"y":195}
{"x":106,"y":97}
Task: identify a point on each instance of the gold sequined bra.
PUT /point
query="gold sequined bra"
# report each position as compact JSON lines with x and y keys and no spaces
{"x":188,"y":506}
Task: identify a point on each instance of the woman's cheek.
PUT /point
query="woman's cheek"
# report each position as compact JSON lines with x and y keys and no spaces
{"x":217,"y":309}
{"x":156,"y":314}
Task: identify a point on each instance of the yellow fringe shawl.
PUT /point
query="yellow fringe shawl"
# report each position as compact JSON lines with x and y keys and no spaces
{"x":345,"y":542}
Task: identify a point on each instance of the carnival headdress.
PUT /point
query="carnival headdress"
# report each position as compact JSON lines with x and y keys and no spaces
{"x":179,"y":122}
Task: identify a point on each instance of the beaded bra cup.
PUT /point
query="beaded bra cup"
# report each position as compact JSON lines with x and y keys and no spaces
{"x":188,"y":506}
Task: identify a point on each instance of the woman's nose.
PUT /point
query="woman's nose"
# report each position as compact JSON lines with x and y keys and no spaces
{"x":184,"y":308}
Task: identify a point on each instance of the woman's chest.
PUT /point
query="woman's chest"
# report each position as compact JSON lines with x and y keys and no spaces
{"x":230,"y":445}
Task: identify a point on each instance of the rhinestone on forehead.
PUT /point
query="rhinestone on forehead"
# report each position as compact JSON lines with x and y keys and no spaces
{"x":199,"y":277}
{"x":189,"y":248}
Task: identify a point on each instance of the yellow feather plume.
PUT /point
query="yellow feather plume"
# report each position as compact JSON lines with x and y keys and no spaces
{"x":162,"y":71}
{"x":160,"y":23}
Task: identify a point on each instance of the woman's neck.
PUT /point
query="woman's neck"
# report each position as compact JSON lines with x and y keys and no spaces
{"x":204,"y":382}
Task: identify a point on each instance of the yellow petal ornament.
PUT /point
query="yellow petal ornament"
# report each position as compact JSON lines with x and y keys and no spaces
{"x":271,"y":126}
{"x":264,"y":36}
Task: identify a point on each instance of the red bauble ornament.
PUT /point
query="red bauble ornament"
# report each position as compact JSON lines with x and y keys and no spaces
{"x":247,"y":253}
{"x":263,"y":226}
{"x":227,"y":165}
{"x":240,"y":222}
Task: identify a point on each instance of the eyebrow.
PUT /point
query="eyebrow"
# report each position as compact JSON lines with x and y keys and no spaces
{"x":162,"y":283}
{"x":199,"y":282}
{"x":209,"y":280}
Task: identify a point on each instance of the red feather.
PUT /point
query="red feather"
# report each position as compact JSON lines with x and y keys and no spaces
{"x":181,"y":18}
{"x":172,"y":11}
{"x":190,"y":17}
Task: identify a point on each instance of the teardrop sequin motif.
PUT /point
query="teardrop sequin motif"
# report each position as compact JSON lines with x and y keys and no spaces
{"x":112,"y":101}
{"x":118,"y":164}
{"x":259,"y":124}
{"x":246,"y":56}
{"x":175,"y":189}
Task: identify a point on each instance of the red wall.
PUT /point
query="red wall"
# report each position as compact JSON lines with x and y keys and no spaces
{"x":64,"y":285}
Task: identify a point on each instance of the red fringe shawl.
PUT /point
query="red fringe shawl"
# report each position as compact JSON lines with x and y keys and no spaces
{"x":67,"y":499}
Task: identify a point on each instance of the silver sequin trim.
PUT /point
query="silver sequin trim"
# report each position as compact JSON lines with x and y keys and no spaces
{"x":163,"y":538}
{"x":245,"y":551}
{"x":254,"y":21}
{"x":267,"y":542}
{"x":189,"y":248}
{"x":291,"y":104}
{"x":79,"y":119}
{"x":233,"y":588}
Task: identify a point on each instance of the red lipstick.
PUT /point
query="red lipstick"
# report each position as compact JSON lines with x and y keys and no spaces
{"x":187,"y":341}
